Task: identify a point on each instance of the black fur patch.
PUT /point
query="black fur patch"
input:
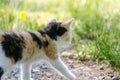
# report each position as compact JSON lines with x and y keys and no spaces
{"x":36,"y":39}
{"x":45,"y":43}
{"x":53,"y":30}
{"x":13,"y":46}
{"x":1,"y":72}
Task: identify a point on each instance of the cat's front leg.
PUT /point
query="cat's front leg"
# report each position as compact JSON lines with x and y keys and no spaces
{"x":25,"y":72}
{"x":60,"y":66}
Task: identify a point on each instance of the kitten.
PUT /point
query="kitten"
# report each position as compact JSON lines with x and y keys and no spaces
{"x":27,"y":47}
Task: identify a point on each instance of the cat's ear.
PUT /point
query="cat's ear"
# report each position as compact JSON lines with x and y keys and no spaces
{"x":67,"y":23}
{"x":52,"y":20}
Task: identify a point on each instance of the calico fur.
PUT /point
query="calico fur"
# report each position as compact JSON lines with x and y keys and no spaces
{"x":27,"y":47}
{"x":13,"y":46}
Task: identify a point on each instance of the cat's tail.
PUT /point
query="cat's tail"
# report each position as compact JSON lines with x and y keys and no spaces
{"x":1,"y":72}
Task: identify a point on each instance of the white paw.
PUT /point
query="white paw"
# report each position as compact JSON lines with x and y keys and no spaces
{"x":73,"y":77}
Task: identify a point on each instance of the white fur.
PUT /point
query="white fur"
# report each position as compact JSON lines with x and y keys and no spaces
{"x":25,"y":71}
{"x":61,"y":43}
{"x":60,"y":66}
{"x":5,"y":62}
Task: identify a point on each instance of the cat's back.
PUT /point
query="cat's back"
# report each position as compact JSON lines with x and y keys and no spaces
{"x":23,"y":46}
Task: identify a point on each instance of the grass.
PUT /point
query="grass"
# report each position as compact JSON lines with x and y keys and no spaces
{"x":96,"y":33}
{"x":108,"y":46}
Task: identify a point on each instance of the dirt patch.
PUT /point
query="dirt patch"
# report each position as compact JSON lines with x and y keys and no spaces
{"x":84,"y":70}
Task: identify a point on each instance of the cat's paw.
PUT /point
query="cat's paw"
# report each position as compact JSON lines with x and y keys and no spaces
{"x":73,"y":77}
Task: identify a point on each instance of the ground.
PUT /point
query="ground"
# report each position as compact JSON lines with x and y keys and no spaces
{"x":84,"y":70}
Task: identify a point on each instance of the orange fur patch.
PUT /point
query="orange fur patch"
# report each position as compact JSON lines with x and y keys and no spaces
{"x":67,"y":37}
{"x":51,"y":51}
{"x":12,"y":60}
{"x":31,"y":47}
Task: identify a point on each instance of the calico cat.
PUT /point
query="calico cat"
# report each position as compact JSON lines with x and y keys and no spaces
{"x":26,"y":47}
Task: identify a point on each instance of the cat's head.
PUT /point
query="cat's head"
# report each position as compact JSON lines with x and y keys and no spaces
{"x":60,"y":32}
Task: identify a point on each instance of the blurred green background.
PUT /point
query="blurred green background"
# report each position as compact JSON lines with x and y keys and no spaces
{"x":96,"y":33}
